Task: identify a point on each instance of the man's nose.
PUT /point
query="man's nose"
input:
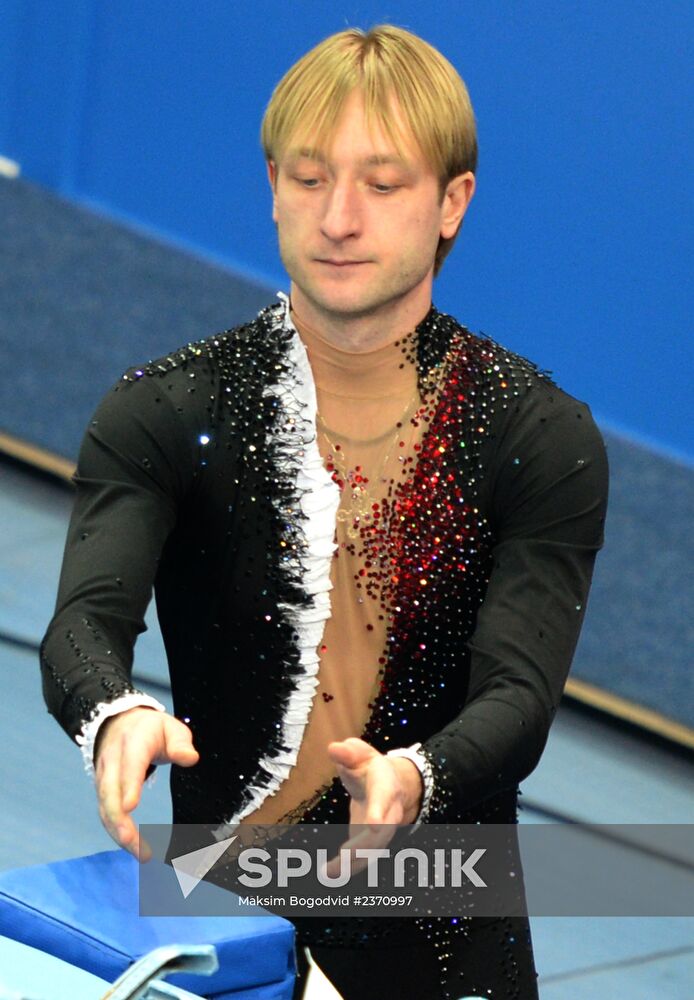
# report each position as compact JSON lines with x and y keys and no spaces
{"x":342,"y":215}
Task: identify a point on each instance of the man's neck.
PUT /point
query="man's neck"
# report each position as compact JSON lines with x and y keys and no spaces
{"x":359,"y":332}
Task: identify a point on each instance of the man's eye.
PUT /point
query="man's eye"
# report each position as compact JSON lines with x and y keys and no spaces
{"x":384,"y":188}
{"x":308,"y":182}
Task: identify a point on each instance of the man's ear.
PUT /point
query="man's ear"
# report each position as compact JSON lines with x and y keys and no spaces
{"x":272,"y":177}
{"x":456,"y":198}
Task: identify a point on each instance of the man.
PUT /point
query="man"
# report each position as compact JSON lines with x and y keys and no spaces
{"x":370,"y":533}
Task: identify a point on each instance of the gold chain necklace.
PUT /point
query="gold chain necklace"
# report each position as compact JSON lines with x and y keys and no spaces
{"x":364,"y":505}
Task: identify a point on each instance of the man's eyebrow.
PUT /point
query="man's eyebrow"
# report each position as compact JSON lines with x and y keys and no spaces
{"x":377,"y":159}
{"x":305,"y":152}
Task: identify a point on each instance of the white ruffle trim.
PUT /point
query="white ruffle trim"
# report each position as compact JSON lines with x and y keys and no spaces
{"x":320,"y":498}
{"x":86,"y":738}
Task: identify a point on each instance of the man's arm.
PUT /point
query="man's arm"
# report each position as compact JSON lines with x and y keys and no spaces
{"x":130,"y":477}
{"x":548,"y":497}
{"x":549,"y":510}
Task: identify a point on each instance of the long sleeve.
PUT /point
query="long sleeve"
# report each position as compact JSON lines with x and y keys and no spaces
{"x":548,"y":490}
{"x":130,"y":476}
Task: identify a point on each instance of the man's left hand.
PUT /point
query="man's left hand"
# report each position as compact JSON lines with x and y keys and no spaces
{"x":385,"y":792}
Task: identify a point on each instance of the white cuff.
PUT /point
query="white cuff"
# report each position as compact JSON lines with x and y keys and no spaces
{"x":422,"y":764}
{"x":86,"y":738}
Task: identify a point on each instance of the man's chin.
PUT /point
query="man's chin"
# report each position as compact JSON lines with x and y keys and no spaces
{"x":345,"y":302}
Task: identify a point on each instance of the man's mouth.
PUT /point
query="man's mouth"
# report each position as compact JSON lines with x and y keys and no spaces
{"x":340,"y":263}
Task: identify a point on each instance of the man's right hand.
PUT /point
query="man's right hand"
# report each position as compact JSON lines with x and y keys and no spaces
{"x":127,"y":745}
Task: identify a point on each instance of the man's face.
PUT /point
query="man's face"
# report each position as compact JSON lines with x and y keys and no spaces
{"x":359,"y":224}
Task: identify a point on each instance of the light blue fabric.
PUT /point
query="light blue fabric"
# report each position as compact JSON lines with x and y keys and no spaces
{"x":29,"y":972}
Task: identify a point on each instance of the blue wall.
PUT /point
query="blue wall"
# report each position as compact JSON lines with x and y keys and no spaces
{"x":575,"y":251}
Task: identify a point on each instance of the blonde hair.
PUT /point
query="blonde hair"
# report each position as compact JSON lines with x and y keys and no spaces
{"x":384,"y":63}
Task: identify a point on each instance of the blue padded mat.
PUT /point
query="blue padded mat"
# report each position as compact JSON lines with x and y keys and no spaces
{"x":85,"y":911}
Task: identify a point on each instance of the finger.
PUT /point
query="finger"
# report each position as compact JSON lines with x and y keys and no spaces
{"x":136,"y":758}
{"x":179,"y":747}
{"x":371,"y":837}
{"x":145,"y":852}
{"x":351,"y":752}
{"x":121,"y":827}
{"x":364,"y":838}
{"x":116,"y":821}
{"x":379,"y":814}
{"x":108,"y":788}
{"x":354,"y":783}
{"x":128,"y":836}
{"x":169,"y":742}
{"x":381,"y":801}
{"x":381,"y":806}
{"x":133,"y":768}
{"x":352,"y":765}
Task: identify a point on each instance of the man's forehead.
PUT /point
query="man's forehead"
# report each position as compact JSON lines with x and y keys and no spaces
{"x":378,"y":136}
{"x":318,"y":154}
